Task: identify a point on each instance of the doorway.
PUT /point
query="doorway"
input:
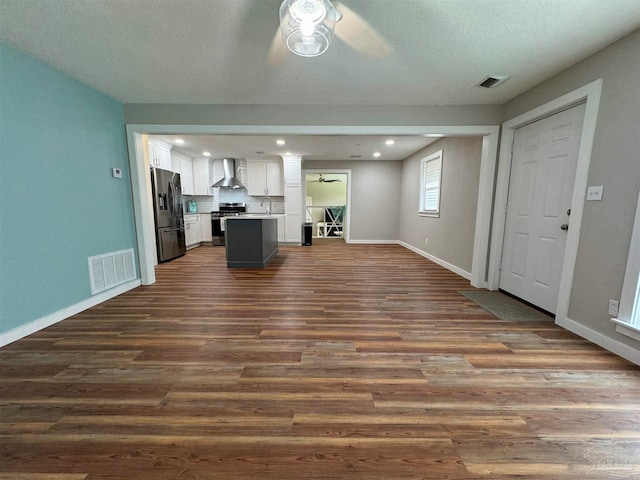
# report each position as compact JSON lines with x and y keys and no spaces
{"x":543,"y":168}
{"x":589,"y":95}
{"x":326,"y":203}
{"x":141,"y":187}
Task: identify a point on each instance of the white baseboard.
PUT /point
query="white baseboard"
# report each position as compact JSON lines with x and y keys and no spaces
{"x":442,"y":263}
{"x":55,"y":317}
{"x":374,"y":242}
{"x":614,"y":346}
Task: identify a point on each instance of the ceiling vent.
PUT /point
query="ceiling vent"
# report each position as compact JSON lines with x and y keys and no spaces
{"x":493,"y":81}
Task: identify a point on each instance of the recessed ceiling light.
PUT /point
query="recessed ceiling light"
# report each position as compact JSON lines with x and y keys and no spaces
{"x":376,"y":154}
{"x":287,"y":153}
{"x":391,"y":141}
{"x":280,"y":142}
{"x":434,"y":135}
{"x":179,"y":141}
{"x":206,"y":154}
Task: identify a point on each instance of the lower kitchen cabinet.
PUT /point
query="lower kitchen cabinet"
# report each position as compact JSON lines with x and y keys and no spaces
{"x":192,"y":233}
{"x":205,"y":228}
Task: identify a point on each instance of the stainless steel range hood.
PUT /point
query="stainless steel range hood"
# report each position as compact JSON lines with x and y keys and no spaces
{"x":229,"y":180}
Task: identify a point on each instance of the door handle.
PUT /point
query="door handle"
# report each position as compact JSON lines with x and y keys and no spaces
{"x":564,"y":226}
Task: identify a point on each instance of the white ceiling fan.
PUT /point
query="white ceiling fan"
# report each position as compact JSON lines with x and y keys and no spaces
{"x":307,"y":28}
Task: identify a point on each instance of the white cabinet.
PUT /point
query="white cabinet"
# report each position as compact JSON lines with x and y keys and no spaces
{"x":205,"y":228}
{"x":183,"y":165}
{"x":159,"y":154}
{"x":265,"y":178}
{"x":275,"y":179}
{"x":192,"y":234}
{"x":202,"y":176}
{"x":176,"y":163}
{"x":293,"y":199}
{"x":186,"y":175}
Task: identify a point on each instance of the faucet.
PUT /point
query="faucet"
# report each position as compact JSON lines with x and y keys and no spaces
{"x":262,"y":204}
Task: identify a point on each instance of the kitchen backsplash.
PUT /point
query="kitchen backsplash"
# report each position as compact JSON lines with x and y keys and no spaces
{"x":205,"y":203}
{"x":208,"y":204}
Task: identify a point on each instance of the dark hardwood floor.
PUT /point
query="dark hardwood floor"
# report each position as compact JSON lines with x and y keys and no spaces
{"x":337,"y":361}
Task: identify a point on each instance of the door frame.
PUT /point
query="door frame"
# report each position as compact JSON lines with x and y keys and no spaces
{"x":140,"y":183}
{"x":326,"y":171}
{"x":590,"y":94}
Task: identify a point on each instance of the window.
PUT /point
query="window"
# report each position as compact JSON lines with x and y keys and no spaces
{"x":430,"y":180}
{"x":629,"y":314}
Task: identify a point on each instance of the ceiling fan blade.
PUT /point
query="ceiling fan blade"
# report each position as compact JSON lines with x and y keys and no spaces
{"x":359,"y":35}
{"x":278,"y":50}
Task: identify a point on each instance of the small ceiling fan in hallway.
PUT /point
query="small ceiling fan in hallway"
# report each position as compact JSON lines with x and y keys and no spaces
{"x":321,"y":179}
{"x":307,"y":28}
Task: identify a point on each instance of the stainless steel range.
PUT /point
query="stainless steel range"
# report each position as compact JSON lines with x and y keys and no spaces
{"x":217,"y":219}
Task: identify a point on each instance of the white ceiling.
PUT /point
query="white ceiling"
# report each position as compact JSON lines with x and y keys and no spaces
{"x":215,"y":51}
{"x":311,"y":147}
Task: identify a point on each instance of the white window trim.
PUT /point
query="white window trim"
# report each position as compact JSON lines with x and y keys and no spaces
{"x":628,"y":321}
{"x":436,"y":156}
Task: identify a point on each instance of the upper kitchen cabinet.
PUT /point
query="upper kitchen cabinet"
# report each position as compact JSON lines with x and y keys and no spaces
{"x":202,"y":176}
{"x":159,"y":154}
{"x":265,"y":178}
{"x":186,"y":171}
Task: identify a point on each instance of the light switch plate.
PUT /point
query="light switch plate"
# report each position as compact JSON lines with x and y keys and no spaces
{"x":117,"y":172}
{"x":594,"y":193}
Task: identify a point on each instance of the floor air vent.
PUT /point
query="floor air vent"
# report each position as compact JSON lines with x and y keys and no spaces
{"x":110,"y":270}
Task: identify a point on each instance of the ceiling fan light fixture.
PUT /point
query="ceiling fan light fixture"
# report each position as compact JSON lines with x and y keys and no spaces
{"x":307,"y":26}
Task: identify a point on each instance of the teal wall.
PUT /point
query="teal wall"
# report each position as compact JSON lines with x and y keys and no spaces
{"x":59,"y":203}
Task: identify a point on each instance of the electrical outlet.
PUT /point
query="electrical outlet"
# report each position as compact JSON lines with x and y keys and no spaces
{"x":426,"y":241}
{"x":613,"y":307}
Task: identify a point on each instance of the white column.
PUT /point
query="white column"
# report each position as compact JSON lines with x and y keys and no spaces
{"x":293,"y":205}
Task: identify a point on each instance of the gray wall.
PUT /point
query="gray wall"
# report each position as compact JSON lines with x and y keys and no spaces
{"x":161,"y":114}
{"x":450,"y":235}
{"x":326,"y":194}
{"x":615,"y":163}
{"x":606,"y":226}
{"x":375,"y":190}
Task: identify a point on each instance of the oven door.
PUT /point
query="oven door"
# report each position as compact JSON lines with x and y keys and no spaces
{"x":217,"y":231}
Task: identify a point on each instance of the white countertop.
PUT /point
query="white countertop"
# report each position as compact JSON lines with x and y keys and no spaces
{"x":255,"y":216}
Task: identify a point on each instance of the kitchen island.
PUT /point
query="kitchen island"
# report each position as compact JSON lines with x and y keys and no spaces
{"x":251,"y":240}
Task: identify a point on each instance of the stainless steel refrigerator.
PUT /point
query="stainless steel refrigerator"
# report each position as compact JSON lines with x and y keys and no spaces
{"x":167,"y":212}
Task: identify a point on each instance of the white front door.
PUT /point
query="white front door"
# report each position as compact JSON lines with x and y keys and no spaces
{"x":543,"y":167}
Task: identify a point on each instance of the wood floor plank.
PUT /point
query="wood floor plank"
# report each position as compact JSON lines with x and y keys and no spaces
{"x":337,"y":361}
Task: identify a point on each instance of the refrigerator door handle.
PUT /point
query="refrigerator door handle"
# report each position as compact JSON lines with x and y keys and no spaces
{"x":171,"y":199}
